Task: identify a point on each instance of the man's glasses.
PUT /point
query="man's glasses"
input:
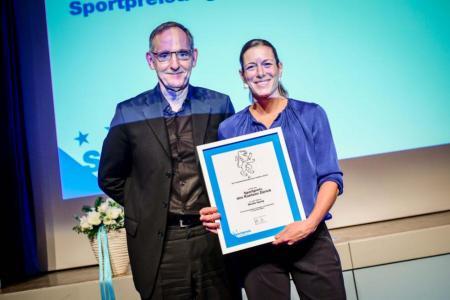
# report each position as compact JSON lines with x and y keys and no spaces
{"x":165,"y":56}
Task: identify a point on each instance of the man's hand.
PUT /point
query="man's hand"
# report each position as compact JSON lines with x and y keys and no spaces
{"x":209,"y":216}
{"x":294,"y":232}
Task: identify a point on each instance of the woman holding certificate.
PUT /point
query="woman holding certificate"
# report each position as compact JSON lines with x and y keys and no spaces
{"x":304,"y":249}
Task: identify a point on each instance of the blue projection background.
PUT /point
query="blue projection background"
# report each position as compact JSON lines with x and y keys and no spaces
{"x":380,"y":68}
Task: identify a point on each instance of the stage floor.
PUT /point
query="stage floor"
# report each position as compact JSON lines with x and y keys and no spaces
{"x":394,"y":241}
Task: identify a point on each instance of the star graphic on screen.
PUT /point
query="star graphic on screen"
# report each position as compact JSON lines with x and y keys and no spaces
{"x":81,"y":138}
{"x":107,"y":127}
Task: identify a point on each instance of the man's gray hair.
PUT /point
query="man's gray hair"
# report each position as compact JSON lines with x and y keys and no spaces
{"x":164,"y":26}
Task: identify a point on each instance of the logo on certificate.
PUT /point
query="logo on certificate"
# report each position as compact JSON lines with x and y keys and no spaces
{"x":245,"y":160}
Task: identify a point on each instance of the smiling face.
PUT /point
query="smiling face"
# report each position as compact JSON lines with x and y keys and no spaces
{"x":261,"y":72}
{"x":173,"y":74}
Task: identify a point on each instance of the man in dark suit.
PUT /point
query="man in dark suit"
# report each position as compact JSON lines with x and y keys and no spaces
{"x":148,"y":164}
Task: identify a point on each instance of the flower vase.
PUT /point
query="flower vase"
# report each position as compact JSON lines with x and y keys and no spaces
{"x":118,"y":251}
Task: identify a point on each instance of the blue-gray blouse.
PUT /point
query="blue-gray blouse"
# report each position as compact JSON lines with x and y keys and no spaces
{"x":309,"y":143}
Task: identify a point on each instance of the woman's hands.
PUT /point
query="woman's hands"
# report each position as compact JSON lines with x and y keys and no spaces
{"x":209,"y":216}
{"x":291,"y":234}
{"x":295,"y":232}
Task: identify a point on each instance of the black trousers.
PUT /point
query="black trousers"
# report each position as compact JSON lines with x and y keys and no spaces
{"x":313,"y":263}
{"x":192,"y":267}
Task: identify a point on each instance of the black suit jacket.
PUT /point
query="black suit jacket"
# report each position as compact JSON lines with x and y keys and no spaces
{"x":135,"y":170}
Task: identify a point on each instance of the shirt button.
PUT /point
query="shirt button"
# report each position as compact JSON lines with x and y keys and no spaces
{"x":160,"y":234}
{"x":164,"y":204}
{"x":168,"y":174}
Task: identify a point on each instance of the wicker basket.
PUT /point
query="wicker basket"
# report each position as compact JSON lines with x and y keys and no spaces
{"x":118,"y":252}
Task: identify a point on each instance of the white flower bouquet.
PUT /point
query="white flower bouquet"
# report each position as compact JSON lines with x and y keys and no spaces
{"x":105,"y":212}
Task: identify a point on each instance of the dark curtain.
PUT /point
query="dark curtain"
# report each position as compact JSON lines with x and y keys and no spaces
{"x":18,"y":259}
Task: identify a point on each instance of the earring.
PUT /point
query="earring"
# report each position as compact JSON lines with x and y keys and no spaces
{"x":245,"y":85}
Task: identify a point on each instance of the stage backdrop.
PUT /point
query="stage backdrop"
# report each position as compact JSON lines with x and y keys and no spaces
{"x":381,"y":69}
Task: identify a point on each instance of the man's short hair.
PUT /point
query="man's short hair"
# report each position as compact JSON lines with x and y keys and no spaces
{"x":164,"y":26}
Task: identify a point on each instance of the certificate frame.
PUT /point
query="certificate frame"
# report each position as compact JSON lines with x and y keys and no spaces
{"x":273,"y":141}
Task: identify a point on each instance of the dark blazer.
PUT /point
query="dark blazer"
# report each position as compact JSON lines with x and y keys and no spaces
{"x":135,"y":170}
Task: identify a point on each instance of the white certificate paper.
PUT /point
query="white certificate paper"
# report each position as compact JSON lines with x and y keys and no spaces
{"x":250,"y":180}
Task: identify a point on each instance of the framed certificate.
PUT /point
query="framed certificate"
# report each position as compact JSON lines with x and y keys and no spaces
{"x":251,"y":182}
